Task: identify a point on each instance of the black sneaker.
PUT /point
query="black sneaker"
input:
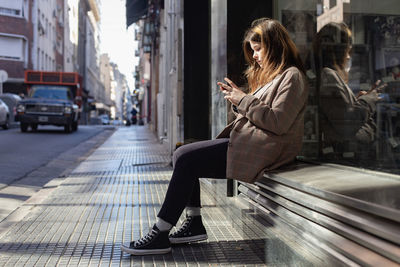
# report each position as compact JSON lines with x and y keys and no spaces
{"x":155,"y":242}
{"x":191,"y":230}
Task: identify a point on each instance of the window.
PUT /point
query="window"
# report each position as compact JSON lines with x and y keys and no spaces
{"x":50,"y":92}
{"x":9,"y":11}
{"x":347,"y":48}
{"x":11,"y":7}
{"x":13,"y":47}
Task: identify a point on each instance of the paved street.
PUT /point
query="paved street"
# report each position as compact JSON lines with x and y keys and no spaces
{"x":31,"y":160}
{"x":22,"y":153}
{"x":113,"y":197}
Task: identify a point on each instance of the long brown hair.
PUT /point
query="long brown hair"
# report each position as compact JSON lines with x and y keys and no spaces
{"x":331,"y":45}
{"x":280,"y":52}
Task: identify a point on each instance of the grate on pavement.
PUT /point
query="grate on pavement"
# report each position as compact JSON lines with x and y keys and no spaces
{"x":100,"y":206}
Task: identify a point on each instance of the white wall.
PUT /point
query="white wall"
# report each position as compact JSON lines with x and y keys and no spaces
{"x":93,"y":83}
{"x":68,"y":44}
{"x":171,"y":73}
{"x":46,"y":36}
{"x":162,"y":127}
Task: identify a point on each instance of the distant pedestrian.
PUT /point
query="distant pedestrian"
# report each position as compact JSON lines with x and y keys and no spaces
{"x":134,"y":115}
{"x":266,"y":134}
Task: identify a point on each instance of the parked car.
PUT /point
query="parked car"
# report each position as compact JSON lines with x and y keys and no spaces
{"x":48,"y":105}
{"x":105,"y":120}
{"x":4,"y":115}
{"x":53,"y":99}
{"x":11,"y":101}
{"x":117,"y":122}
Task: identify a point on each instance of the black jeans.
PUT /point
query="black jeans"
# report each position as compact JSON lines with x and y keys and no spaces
{"x":204,"y":159}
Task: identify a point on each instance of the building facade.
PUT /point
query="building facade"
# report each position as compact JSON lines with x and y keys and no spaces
{"x":16,"y":39}
{"x":38,"y":31}
{"x":70,"y":35}
{"x":120,"y":94}
{"x":46,"y":33}
{"x":160,"y":68}
{"x":59,"y":35}
{"x":106,"y":78}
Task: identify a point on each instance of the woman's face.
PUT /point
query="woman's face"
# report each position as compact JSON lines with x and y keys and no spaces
{"x":347,"y":60}
{"x":258,"y":52}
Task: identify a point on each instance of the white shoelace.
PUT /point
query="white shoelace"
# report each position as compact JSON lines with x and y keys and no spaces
{"x":145,"y":239}
{"x":185,"y":225}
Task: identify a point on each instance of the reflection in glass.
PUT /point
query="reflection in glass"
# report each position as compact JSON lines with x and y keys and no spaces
{"x":346,"y":120}
{"x":349,"y":46}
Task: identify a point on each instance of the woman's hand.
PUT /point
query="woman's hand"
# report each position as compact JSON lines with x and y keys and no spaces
{"x":375,"y":90}
{"x":232,"y":92}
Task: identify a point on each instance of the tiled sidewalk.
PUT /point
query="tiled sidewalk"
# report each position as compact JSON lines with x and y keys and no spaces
{"x":111,"y":198}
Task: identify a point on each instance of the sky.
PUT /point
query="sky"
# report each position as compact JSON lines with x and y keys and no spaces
{"x":117,"y":41}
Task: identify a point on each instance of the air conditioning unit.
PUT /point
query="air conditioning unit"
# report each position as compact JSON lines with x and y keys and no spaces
{"x":41,"y":29}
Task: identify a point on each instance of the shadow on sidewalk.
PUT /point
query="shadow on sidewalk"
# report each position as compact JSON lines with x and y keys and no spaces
{"x":104,"y":204}
{"x":228,"y":252}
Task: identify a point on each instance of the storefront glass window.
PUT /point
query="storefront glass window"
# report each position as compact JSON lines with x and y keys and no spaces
{"x":351,"y":49}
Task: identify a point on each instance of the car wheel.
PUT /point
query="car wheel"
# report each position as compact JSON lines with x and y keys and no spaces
{"x":6,"y":124}
{"x":24,"y":127}
{"x":34,"y":127}
{"x":68,"y":128}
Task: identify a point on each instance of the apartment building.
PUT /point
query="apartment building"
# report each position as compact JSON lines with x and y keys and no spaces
{"x":33,"y":36}
{"x":49,"y":40}
{"x":120,"y":94}
{"x":106,"y":77}
{"x":16,"y":38}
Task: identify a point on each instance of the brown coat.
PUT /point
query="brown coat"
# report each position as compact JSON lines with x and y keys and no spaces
{"x":268,"y":129}
{"x":344,"y":117}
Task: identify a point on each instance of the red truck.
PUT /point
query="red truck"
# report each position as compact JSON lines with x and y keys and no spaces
{"x":53,"y":98}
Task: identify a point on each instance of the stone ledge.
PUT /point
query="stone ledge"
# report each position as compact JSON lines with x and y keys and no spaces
{"x":333,"y":204}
